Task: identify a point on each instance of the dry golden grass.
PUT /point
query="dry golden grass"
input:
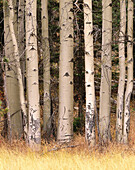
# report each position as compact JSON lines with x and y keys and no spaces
{"x":18,"y":157}
{"x":63,"y":160}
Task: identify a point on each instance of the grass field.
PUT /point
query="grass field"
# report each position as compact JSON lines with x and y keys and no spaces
{"x":18,"y":157}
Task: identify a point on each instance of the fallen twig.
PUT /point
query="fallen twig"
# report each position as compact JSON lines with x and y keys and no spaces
{"x":58,"y":148}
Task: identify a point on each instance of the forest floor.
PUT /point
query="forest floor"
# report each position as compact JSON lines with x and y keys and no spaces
{"x":75,"y":156}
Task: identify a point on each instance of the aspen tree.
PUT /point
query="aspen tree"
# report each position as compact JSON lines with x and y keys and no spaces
{"x":9,"y":130}
{"x":46,"y":60}
{"x":34,"y":133}
{"x":120,"y":97}
{"x":17,"y":63}
{"x":105,"y":87}
{"x":89,"y":74}
{"x":12,"y":88}
{"x":21,"y":35}
{"x":65,"y":120}
{"x":129,"y":87}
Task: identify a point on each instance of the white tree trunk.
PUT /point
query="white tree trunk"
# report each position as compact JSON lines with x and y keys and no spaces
{"x":12,"y":87}
{"x":34,"y":132}
{"x":46,"y":61}
{"x":129,"y":87}
{"x":65,"y":120}
{"x":9,"y":131}
{"x":120,"y":97}
{"x":105,"y":87}
{"x":17,"y":64}
{"x":21,"y":36}
{"x":89,"y":74}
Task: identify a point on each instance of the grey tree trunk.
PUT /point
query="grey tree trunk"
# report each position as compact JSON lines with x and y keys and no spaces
{"x":46,"y":59}
{"x":34,"y":132}
{"x":120,"y":97}
{"x":105,"y":87}
{"x":89,"y":74}
{"x":129,"y":87}
{"x":12,"y":87}
{"x":65,"y":120}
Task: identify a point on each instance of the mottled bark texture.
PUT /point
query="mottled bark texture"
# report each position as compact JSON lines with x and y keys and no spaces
{"x":129,"y":87}
{"x":34,"y":132}
{"x":12,"y":87}
{"x":46,"y":61}
{"x":89,"y":74}
{"x":65,"y":120}
{"x":105,"y":87}
{"x":120,"y":97}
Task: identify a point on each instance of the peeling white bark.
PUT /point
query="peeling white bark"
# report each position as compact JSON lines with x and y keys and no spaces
{"x":34,"y":132}
{"x":129,"y":87}
{"x":89,"y":74}
{"x":120,"y":97}
{"x":65,"y":120}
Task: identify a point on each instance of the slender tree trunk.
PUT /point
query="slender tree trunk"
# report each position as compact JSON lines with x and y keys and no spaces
{"x":65,"y":120}
{"x":129,"y":87}
{"x":21,"y":48}
{"x":9,"y":129}
{"x":34,"y":132}
{"x":105,"y":87}
{"x":89,"y":74}
{"x":12,"y":87}
{"x":17,"y":64}
{"x":120,"y":97}
{"x":46,"y":58}
{"x":21,"y":36}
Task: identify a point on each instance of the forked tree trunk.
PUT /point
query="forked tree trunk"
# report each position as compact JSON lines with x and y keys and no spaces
{"x":129,"y":87}
{"x":65,"y":120}
{"x":34,"y":132}
{"x":120,"y":97}
{"x":17,"y":64}
{"x":105,"y":87}
{"x":89,"y":74}
{"x":46,"y":61}
{"x":12,"y":87}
